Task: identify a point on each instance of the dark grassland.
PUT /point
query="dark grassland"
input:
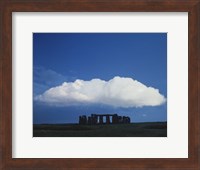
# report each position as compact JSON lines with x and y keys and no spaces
{"x":150,"y":129}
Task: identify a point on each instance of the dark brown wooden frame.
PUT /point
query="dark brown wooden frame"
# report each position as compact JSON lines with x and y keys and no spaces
{"x":9,"y":6}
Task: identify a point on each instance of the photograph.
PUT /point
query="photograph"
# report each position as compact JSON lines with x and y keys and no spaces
{"x":100,"y":84}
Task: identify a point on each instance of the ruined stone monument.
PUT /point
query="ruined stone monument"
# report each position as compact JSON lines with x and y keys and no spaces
{"x":95,"y":119}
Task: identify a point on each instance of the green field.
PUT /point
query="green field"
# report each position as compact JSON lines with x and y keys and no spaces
{"x":150,"y":129}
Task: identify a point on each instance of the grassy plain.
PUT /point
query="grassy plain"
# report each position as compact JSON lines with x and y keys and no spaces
{"x":149,"y":129}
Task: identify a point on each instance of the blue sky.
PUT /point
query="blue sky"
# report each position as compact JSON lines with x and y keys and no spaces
{"x":66,"y":57}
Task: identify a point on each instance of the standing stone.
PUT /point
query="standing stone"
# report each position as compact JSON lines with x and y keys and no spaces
{"x":89,"y":120}
{"x":107,"y":119}
{"x":100,"y":119}
{"x":115,"y":119}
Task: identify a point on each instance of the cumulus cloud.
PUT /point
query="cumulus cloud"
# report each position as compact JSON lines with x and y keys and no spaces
{"x":118,"y":92}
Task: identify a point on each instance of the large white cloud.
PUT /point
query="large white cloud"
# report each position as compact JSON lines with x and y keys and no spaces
{"x":118,"y":92}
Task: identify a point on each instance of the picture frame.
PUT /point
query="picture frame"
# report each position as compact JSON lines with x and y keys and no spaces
{"x":7,"y":7}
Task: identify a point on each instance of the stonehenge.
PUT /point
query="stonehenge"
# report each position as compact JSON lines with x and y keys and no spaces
{"x":95,"y":119}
